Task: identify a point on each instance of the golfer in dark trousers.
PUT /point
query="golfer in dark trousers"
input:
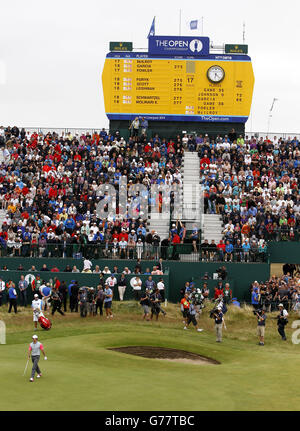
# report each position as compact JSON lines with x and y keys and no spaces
{"x":99,"y":300}
{"x":56,"y":302}
{"x":63,"y":290}
{"x":218,"y":316}
{"x":74,"y":289}
{"x":12,"y":297}
{"x":35,"y":349}
{"x":282,"y":321}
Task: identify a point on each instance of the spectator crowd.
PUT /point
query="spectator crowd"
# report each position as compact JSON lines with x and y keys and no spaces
{"x":269,"y":294}
{"x":51,"y":184}
{"x":253,"y":184}
{"x":35,"y":284}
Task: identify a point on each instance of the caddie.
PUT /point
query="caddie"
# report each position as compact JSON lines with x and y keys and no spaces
{"x":36,"y":305}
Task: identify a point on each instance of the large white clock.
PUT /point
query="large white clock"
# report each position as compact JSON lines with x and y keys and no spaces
{"x":216,"y":74}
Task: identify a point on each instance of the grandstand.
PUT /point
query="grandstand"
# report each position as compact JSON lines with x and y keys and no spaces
{"x":240,"y":193}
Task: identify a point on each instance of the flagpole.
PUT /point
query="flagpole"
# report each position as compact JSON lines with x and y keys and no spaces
{"x":179,"y":22}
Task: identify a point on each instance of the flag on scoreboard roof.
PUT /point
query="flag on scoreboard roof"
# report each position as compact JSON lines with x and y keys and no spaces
{"x":194,"y":24}
{"x":152,"y":28}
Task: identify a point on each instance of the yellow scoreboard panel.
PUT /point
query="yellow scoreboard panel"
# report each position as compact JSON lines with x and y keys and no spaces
{"x":178,"y":89}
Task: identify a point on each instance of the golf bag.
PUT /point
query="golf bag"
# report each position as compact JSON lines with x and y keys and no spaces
{"x":44,"y":322}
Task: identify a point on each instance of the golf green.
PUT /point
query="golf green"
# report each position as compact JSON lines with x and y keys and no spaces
{"x":82,"y":374}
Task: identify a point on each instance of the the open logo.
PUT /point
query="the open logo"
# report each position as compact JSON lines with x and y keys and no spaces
{"x":196,"y":45}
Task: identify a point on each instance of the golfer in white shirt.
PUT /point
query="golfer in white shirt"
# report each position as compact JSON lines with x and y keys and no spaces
{"x":136,"y":284}
{"x":2,"y":290}
{"x":36,"y":306}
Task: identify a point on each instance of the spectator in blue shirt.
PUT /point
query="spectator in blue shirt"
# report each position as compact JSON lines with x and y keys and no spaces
{"x":255,"y":298}
{"x":98,"y":237}
{"x":108,"y":295}
{"x":103,"y":133}
{"x":144,"y":126}
{"x":141,"y":230}
{"x":69,"y":224}
{"x":46,"y":293}
{"x":246,"y":249}
{"x":98,"y":165}
{"x":26,"y":236}
{"x":228,"y":251}
{"x":160,"y":180}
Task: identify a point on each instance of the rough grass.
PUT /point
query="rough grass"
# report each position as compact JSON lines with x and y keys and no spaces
{"x":82,"y":374}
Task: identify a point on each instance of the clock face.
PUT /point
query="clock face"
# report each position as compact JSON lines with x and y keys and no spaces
{"x":215,"y":74}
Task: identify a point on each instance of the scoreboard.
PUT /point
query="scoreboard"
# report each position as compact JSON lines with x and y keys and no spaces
{"x":212,"y":88}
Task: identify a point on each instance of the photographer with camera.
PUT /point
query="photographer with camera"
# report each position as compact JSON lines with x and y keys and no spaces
{"x":83,"y":300}
{"x":217,"y":315}
{"x":265,"y":298}
{"x":56,"y":301}
{"x":222,"y":273}
{"x":282,"y":321}
{"x":184,"y":306}
{"x":261,"y":324}
{"x":156,"y":300}
{"x":227,"y":294}
{"x":197,"y":299}
{"x":146,"y":304}
{"x":191,"y":317}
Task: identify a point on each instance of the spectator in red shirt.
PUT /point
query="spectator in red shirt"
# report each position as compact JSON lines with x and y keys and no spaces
{"x":54,"y":269}
{"x":176,"y":239}
{"x":204,"y":162}
{"x":123,"y":236}
{"x":221,"y":248}
{"x":218,"y":290}
{"x":53,"y":192}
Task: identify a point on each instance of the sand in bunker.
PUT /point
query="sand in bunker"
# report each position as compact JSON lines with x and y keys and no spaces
{"x":167,"y":354}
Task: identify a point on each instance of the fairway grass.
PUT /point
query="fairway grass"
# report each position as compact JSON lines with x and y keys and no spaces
{"x":82,"y":374}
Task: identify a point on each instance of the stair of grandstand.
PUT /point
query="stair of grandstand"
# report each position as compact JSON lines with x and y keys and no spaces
{"x":3,"y":215}
{"x":191,"y":202}
{"x":212,"y":227}
{"x":190,"y":186}
{"x":190,"y":189}
{"x":160,"y":224}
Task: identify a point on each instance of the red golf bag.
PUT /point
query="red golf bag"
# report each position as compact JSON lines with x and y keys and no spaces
{"x":44,"y":322}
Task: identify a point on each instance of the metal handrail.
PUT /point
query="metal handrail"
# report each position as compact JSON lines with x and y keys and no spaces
{"x":45,"y":129}
{"x":283,"y":135}
{"x":149,"y":252}
{"x":65,"y":130}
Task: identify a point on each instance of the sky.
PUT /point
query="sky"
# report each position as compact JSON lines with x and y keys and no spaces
{"x":52,"y":54}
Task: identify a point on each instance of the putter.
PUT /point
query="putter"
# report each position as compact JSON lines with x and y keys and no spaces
{"x":26,"y":367}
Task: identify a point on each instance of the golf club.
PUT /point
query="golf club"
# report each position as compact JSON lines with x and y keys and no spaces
{"x":26,"y":367}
